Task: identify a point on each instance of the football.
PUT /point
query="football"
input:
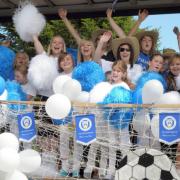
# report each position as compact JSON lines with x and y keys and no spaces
{"x":146,"y":164}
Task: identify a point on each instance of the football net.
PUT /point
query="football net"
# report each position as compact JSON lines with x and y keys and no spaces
{"x":119,"y":128}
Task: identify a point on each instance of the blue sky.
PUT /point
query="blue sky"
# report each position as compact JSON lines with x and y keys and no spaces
{"x":165,"y":24}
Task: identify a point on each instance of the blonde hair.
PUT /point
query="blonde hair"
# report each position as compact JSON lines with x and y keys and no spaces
{"x":122,"y":66}
{"x":49,"y":51}
{"x":26,"y":59}
{"x":80,"y":56}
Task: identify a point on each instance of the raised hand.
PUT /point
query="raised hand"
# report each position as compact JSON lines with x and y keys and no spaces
{"x":62,"y":13}
{"x":176,"y":30}
{"x":106,"y":37}
{"x":109,"y":13}
{"x":142,"y":14}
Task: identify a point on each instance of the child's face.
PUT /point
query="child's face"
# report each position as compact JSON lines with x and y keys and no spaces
{"x":125,"y":53}
{"x":86,"y":49}
{"x":174,"y":67}
{"x":21,"y":59}
{"x":57,"y":45}
{"x":146,"y":44}
{"x":116,"y":75}
{"x":67,"y":63}
{"x":156,"y":63}
{"x":20,"y":78}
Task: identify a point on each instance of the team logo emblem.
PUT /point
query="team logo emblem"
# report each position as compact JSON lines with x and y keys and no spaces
{"x":169,"y":122}
{"x":26,"y":122}
{"x":85,"y":124}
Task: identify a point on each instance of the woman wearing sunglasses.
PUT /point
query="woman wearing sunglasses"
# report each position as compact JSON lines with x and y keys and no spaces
{"x":127,"y":50}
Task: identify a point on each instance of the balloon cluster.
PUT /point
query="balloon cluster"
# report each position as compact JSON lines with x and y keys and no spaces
{"x":66,"y":89}
{"x":13,"y":163}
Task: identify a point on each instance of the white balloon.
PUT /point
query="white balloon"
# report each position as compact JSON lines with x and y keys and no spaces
{"x":72,"y":89}
{"x":16,"y":175}
{"x":83,"y":97}
{"x":178,"y":82}
{"x":30,"y":160}
{"x":99,"y":92}
{"x":59,"y":82}
{"x":171,"y":97}
{"x":3,"y":175}
{"x":9,"y":140}
{"x":155,"y":126}
{"x":9,"y":159}
{"x":141,"y":122}
{"x":58,"y":106}
{"x":151,"y":91}
{"x":3,"y":96}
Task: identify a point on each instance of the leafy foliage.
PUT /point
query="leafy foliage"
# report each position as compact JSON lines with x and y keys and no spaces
{"x":54,"y":27}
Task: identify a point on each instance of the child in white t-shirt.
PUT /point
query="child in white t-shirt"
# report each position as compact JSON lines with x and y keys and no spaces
{"x":118,"y":138}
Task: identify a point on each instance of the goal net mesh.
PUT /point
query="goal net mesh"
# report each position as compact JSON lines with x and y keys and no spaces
{"x":118,"y":130}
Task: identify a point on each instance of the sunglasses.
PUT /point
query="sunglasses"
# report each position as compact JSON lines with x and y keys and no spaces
{"x":124,"y":49}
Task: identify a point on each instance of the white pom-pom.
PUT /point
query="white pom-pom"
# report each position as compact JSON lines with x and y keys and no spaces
{"x":134,"y":73}
{"x":99,"y":92}
{"x":28,"y":21}
{"x":42,"y":72}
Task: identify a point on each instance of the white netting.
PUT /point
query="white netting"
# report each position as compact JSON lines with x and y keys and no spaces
{"x":115,"y":137}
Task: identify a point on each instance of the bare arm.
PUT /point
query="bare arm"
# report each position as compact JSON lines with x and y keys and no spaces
{"x":99,"y":50}
{"x":37,"y":45}
{"x":176,"y":31}
{"x":63,"y":15}
{"x":142,"y":14}
{"x":113,"y":24}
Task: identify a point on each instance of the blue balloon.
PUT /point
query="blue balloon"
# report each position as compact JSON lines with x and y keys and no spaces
{"x":7,"y":57}
{"x":119,"y":118}
{"x":88,"y":74}
{"x":2,"y":85}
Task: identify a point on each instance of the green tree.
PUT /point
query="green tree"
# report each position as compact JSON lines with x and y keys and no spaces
{"x":54,"y":27}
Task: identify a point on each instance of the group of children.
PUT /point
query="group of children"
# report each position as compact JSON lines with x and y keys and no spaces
{"x":123,"y":59}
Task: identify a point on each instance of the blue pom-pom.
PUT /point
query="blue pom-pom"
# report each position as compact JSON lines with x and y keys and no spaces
{"x":7,"y":57}
{"x":15,"y":93}
{"x":119,"y":118}
{"x":150,"y":75}
{"x":118,"y":95}
{"x":88,"y":74}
